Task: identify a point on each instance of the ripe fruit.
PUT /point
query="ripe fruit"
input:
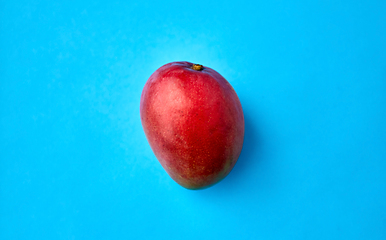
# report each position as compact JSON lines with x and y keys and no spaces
{"x":194,"y":123}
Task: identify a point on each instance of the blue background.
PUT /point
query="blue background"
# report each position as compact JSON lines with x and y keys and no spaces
{"x":75,"y":163}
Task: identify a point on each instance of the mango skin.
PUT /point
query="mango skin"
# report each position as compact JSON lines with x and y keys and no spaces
{"x":194,"y":123}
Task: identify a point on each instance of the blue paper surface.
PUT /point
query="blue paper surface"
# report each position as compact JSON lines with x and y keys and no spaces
{"x":75,"y":162}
